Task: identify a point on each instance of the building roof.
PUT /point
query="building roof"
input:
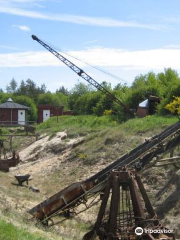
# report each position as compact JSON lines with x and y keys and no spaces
{"x":154,"y":98}
{"x":144,"y":104}
{"x":12,"y":105}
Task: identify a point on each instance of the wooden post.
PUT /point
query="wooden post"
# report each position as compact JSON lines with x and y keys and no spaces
{"x":57,"y":114}
{"x":11,"y":144}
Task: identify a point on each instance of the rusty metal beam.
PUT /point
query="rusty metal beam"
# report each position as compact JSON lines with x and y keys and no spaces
{"x":136,"y":201}
{"x":146,"y":198}
{"x":103,"y":204}
{"x":112,"y":222}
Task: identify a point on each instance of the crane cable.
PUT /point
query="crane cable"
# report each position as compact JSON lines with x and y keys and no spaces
{"x":86,"y":62}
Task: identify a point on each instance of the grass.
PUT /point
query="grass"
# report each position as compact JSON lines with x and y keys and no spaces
{"x":149,"y":123}
{"x":76,"y":124}
{"x":86,"y":123}
{"x":10,"y":232}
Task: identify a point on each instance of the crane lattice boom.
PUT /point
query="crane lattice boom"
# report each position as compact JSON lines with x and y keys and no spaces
{"x":82,"y":74}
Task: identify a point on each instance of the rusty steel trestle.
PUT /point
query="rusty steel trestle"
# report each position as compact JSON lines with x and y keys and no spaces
{"x":127,"y":208}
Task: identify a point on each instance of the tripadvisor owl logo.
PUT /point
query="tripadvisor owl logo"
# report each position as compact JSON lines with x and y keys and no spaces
{"x":139,"y":231}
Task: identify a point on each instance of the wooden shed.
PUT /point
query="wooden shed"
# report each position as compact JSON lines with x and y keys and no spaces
{"x":13,"y":113}
{"x":45,"y":111}
{"x":148,"y":106}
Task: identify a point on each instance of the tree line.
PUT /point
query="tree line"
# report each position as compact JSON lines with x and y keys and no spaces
{"x":85,"y":99}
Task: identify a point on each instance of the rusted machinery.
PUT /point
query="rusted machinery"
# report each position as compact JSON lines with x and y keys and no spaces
{"x":10,"y":162}
{"x":66,"y":200}
{"x":126,"y":211}
{"x":22,"y":178}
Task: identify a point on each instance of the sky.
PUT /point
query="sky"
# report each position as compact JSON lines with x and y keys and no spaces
{"x":124,"y":37}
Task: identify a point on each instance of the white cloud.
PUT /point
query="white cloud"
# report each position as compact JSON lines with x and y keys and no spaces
{"x":173,"y":46}
{"x":104,"y":57}
{"x":83,"y":20}
{"x":22,"y":27}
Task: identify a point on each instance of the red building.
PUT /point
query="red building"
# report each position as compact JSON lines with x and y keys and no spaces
{"x":148,"y":106}
{"x":46,"y":111}
{"x":13,"y":113}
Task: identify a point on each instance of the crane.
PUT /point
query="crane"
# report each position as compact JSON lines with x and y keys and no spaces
{"x":84,"y":75}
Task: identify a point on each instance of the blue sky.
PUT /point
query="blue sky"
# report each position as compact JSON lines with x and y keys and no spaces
{"x":126,"y":38}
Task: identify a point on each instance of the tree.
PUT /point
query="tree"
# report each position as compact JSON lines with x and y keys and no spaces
{"x":78,"y":90}
{"x":139,"y":82}
{"x":86,"y":102}
{"x":49,"y":98}
{"x":4,"y":96}
{"x":64,"y":100}
{"x":30,"y":89}
{"x":169,"y":80}
{"x":43,"y":88}
{"x":22,"y":88}
{"x":12,"y":87}
{"x":81,"y":88}
{"x":63,"y":90}
{"x":106,"y":85}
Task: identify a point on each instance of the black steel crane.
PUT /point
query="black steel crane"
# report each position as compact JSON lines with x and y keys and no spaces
{"x":84,"y":75}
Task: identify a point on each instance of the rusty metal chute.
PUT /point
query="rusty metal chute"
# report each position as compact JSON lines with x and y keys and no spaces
{"x":69,"y":198}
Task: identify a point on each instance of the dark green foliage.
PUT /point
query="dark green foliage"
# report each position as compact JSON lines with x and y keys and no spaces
{"x":175,"y":91}
{"x":62,"y":90}
{"x":168,"y":80}
{"x":104,"y":103}
{"x":55,"y":99}
{"x":27,"y":101}
{"x":4,"y":97}
{"x":64,"y":100}
{"x":85,"y":103}
{"x":79,"y":90}
{"x":50,"y":98}
{"x":170,"y":87}
{"x":30,"y":89}
{"x":84,"y":99}
{"x":11,"y":88}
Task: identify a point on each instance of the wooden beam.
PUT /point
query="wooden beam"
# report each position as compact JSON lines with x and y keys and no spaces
{"x":165,"y":164}
{"x":168,"y":159}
